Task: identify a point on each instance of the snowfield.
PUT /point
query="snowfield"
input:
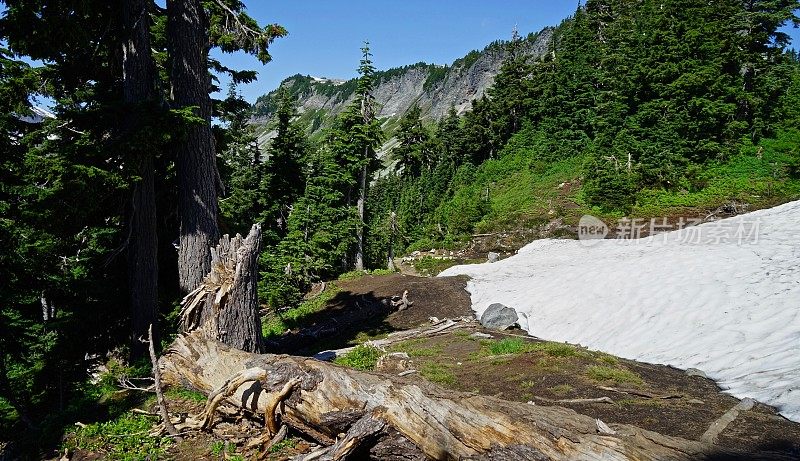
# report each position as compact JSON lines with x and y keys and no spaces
{"x":723,"y":297}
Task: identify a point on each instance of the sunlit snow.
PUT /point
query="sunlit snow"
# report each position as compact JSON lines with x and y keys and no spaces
{"x":723,"y":297}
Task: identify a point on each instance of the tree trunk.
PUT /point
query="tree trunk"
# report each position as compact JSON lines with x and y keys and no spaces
{"x":362,"y":198}
{"x":138,"y":88}
{"x":225,"y":305}
{"x":392,"y":229}
{"x":445,"y":425}
{"x":196,"y":161}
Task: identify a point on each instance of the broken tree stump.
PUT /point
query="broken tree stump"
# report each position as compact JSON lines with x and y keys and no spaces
{"x":225,"y":306}
{"x":444,"y":425}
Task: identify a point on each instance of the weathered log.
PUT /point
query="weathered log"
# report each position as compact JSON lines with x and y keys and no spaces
{"x":442,"y":424}
{"x":225,"y":305}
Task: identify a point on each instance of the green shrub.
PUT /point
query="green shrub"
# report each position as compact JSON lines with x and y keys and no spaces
{"x":362,"y":357}
{"x":126,"y":438}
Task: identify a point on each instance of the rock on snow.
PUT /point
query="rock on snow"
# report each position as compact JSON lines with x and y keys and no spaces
{"x":722,"y":297}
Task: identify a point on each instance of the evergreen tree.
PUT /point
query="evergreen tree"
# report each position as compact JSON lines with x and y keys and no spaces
{"x":354,"y":139}
{"x":414,"y":151}
{"x":284,"y":169}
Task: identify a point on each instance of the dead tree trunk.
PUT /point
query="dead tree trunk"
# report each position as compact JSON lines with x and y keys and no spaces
{"x":225,"y":305}
{"x":325,"y":400}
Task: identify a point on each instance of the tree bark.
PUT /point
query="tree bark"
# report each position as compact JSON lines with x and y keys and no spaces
{"x":225,"y":305}
{"x":138,"y":89}
{"x":444,"y":425}
{"x":196,"y":160}
{"x":392,"y":229}
{"x":362,"y":198}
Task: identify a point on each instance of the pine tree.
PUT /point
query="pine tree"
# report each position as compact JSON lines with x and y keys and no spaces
{"x":284,"y":179}
{"x":414,"y":151}
{"x":354,"y":141}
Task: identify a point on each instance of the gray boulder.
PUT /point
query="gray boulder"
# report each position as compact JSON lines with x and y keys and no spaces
{"x":493,"y":257}
{"x":499,"y":317}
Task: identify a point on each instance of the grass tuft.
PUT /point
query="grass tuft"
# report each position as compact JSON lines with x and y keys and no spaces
{"x":437,"y":373}
{"x":617,"y":375}
{"x":125,"y":438}
{"x":362,"y":357}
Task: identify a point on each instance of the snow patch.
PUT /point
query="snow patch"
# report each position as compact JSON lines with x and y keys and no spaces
{"x":729,"y":307}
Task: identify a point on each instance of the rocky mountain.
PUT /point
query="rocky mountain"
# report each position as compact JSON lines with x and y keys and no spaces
{"x":435,"y":88}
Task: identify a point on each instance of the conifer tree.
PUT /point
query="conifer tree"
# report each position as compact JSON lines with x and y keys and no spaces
{"x":284,"y":179}
{"x":354,"y":140}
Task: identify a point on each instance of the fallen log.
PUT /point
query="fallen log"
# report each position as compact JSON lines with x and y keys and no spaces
{"x":353,"y":408}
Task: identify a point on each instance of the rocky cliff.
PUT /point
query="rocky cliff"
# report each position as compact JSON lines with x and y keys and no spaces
{"x":434,"y":88}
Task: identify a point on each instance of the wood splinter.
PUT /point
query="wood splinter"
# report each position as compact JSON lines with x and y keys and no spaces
{"x":402,"y":302}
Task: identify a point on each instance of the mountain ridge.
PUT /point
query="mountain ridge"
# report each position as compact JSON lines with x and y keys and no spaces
{"x":434,"y":87}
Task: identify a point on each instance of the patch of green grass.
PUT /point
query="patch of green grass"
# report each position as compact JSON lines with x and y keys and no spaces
{"x":528,"y":384}
{"x":608,"y":359}
{"x":355,"y":275}
{"x":561,"y":389}
{"x":186,"y":394}
{"x":617,"y":375}
{"x":287,"y":443}
{"x":553,"y":349}
{"x":362,"y":357}
{"x":431,"y":266}
{"x":217,"y":448}
{"x":513,"y":346}
{"x":507,"y":346}
{"x":125,"y":438}
{"x":437,"y":373}
{"x":413,"y":348}
{"x":274,"y":325}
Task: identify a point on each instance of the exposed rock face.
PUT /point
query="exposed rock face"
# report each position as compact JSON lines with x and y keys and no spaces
{"x":434,"y":88}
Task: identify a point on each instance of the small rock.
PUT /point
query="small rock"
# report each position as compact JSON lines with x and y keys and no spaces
{"x":433,"y":251}
{"x":696,"y":402}
{"x":415,"y":254}
{"x":406,"y":373}
{"x":459,"y":363}
{"x":531,"y":402}
{"x":493,"y":257}
{"x":433,"y":319}
{"x":479,"y":335}
{"x":325,"y":356}
{"x":746,"y":404}
{"x":695,"y":372}
{"x":499,"y":317}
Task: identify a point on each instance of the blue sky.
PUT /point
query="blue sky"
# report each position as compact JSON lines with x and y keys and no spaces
{"x":325,"y":36}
